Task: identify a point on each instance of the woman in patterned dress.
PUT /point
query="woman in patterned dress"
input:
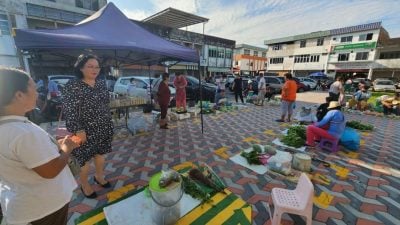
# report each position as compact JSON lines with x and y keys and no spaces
{"x":180,"y":84}
{"x":87,"y":114}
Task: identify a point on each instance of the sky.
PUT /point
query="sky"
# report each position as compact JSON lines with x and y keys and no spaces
{"x":253,"y":21}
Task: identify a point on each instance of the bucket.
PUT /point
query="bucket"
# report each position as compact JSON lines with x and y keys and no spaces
{"x":166,"y":208}
{"x":302,"y":162}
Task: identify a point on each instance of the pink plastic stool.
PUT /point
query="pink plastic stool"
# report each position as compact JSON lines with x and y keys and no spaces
{"x":298,"y":201}
{"x":330,"y":145}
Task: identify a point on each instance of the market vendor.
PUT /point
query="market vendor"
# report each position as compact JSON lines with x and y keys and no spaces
{"x":392,"y":104}
{"x":220,"y":99}
{"x":330,"y":127}
{"x":360,"y":98}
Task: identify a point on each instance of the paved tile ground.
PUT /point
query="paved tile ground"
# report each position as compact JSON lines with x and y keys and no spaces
{"x":365,"y":197}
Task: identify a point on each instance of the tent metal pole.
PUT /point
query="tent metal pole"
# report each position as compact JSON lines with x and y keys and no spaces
{"x":201,"y":90}
{"x":150,"y":82}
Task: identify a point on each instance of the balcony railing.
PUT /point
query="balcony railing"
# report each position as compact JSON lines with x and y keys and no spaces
{"x":54,"y":14}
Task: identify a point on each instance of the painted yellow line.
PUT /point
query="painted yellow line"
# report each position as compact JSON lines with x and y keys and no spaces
{"x":199,"y":210}
{"x":247,"y":212}
{"x":227,"y":212}
{"x":323,"y":200}
{"x":94,"y":219}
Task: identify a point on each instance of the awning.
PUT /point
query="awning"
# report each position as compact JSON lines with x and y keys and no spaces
{"x":174,"y":18}
{"x":219,"y":69}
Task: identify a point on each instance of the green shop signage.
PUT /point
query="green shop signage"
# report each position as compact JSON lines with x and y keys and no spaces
{"x":356,"y":46}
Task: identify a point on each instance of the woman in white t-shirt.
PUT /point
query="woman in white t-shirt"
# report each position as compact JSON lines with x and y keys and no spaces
{"x":36,"y":186}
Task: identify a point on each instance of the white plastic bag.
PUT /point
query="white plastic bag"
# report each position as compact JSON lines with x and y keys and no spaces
{"x":281,"y":162}
{"x":137,"y":124}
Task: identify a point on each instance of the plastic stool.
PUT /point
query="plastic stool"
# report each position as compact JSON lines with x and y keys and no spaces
{"x":330,"y":145}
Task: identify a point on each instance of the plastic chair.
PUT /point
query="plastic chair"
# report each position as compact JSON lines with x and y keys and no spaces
{"x":330,"y":145}
{"x":298,"y":201}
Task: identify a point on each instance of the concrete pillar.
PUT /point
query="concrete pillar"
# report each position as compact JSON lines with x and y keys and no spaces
{"x":370,"y":73}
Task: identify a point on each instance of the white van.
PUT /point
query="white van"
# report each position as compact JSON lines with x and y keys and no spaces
{"x":139,"y":88}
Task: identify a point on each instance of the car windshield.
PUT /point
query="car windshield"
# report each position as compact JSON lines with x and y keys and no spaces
{"x":384,"y":82}
{"x":61,"y":79}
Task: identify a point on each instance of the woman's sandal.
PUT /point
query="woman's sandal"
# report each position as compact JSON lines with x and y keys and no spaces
{"x":91,"y":196}
{"x":106,"y":185}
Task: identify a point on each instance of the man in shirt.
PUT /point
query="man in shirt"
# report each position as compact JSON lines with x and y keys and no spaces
{"x":262,"y":89}
{"x":336,"y":89}
{"x":392,"y":104}
{"x":289,"y":91}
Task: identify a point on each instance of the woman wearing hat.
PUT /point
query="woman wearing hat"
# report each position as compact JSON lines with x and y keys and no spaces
{"x":392,"y":105}
{"x":330,"y":127}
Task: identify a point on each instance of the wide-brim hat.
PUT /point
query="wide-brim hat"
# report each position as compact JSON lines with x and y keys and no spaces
{"x":333,"y":104}
{"x":395,"y":102}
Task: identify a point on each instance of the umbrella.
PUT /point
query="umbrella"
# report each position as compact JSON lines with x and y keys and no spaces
{"x":317,"y":74}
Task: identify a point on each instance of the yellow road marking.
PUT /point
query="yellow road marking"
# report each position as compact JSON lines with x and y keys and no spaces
{"x":323,"y":200}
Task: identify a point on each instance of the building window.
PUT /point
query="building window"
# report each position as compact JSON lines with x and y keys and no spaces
{"x":212,"y":52}
{"x":4,"y":26}
{"x":255,"y":53}
{"x":221,"y":53}
{"x":264,"y":54}
{"x":390,"y":55}
{"x":343,"y":57}
{"x":301,"y":58}
{"x":276,"y":60}
{"x":320,"y":41}
{"x":346,"y":39}
{"x":88,"y":4}
{"x":362,"y":55}
{"x":303,"y":44}
{"x":277,"y":47}
{"x":228,"y":54}
{"x":365,"y":37}
{"x":247,"y":52}
{"x":314,"y":58}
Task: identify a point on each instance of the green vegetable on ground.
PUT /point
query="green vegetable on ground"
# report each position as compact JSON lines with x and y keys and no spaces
{"x":296,"y":136}
{"x":252,"y":157}
{"x":359,"y":126}
{"x":257,"y":148}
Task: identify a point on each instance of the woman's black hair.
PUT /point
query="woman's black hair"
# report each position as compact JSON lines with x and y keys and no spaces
{"x":288,"y":76}
{"x":11,"y":81}
{"x":80,"y":63}
{"x":165,"y":76}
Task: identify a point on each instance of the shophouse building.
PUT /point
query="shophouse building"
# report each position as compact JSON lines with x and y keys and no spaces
{"x":38,"y":14}
{"x":216,"y":53}
{"x":249,"y":60}
{"x":348,"y":51}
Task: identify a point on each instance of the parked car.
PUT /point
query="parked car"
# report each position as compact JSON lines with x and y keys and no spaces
{"x":141,"y":89}
{"x":383,"y":85}
{"x":275,"y":82}
{"x":312,"y":84}
{"x":300,"y":86}
{"x":61,"y":80}
{"x":192,"y":89}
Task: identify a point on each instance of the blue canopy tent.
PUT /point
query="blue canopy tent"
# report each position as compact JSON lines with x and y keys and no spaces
{"x":106,"y":31}
{"x":109,"y":34}
{"x":318,"y":75}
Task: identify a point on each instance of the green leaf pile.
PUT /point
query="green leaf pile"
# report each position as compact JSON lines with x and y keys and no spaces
{"x":252,"y":157}
{"x":359,"y":126}
{"x":296,"y":136}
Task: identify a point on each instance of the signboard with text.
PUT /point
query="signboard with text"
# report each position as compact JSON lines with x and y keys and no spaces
{"x":356,"y":46}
